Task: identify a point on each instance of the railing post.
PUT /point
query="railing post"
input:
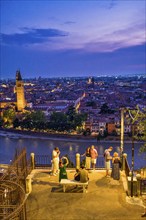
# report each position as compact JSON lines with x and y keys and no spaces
{"x":28,"y":184}
{"x":124,"y":161}
{"x":138,"y":177}
{"x":77,"y":161}
{"x":32,"y":161}
{"x":144,"y":172}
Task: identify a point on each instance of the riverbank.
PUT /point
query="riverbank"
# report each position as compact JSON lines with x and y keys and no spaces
{"x":13,"y":133}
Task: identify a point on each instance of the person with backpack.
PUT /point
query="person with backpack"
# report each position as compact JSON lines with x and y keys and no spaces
{"x":88,"y":158}
{"x":108,"y":159}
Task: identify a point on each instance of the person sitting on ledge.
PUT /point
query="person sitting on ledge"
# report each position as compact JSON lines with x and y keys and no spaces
{"x":77,"y":175}
{"x":83,"y":174}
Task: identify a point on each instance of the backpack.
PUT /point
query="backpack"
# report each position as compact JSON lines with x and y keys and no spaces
{"x":105,"y":153}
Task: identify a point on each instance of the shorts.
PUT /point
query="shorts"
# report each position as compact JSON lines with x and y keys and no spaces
{"x":107,"y":165}
{"x":93,"y":161}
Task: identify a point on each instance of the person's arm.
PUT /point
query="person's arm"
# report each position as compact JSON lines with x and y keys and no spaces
{"x":67,"y":162}
{"x":96,"y":153}
{"x":58,"y":153}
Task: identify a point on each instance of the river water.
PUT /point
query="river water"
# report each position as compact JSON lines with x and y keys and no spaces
{"x":44,"y":146}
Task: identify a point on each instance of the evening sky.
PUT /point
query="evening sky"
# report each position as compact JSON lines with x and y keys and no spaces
{"x":72,"y":38}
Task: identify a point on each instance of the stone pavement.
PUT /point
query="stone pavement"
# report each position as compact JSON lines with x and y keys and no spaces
{"x":105,"y":199}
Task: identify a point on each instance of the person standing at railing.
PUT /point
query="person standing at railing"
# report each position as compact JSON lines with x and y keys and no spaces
{"x":116,"y":165}
{"x":62,"y":168}
{"x":88,"y":158}
{"x":55,"y":161}
{"x":108,"y":159}
{"x":94,"y":155}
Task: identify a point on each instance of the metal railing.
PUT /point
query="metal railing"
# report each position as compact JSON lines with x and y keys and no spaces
{"x":143,"y":186}
{"x":127,"y":167}
{"x":13,"y":188}
{"x":42,"y":161}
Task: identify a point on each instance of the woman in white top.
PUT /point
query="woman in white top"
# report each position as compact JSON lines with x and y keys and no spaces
{"x":55,"y":161}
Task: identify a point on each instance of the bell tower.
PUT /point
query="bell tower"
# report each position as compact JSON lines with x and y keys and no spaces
{"x":21,"y":102}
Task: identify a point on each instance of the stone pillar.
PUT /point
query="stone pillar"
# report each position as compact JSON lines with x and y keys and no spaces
{"x":144,"y":172}
{"x":28,"y":184}
{"x":32,"y":161}
{"x":123,"y":161}
{"x":138,"y":177}
{"x":77,"y":161}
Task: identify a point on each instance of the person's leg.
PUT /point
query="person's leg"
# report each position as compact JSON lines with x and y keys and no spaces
{"x":107,"y":168}
{"x":54,"y":167}
{"x":94,"y":164}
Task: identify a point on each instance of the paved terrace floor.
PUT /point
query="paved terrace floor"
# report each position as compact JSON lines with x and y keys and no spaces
{"x":105,"y":199}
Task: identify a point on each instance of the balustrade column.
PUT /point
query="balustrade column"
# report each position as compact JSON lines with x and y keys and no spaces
{"x":32,"y":160}
{"x":138,"y":177}
{"x":77,"y":161}
{"x":28,"y":184}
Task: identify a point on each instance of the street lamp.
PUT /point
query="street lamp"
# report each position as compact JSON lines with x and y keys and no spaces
{"x":133,"y":118}
{"x":122,"y":129}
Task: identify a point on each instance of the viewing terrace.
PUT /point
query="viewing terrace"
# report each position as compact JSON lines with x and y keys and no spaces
{"x":44,"y":198}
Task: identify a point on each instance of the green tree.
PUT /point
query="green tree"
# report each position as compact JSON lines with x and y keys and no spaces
{"x":71,"y":113}
{"x":16,"y":123}
{"x":34,"y":120}
{"x":1,"y":122}
{"x":59,"y":122}
{"x":138,"y":119}
{"x":9,"y":116}
{"x":142,"y":131}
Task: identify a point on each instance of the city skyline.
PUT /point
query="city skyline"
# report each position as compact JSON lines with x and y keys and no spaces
{"x":73,"y":38}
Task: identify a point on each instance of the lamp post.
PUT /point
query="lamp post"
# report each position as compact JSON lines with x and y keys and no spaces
{"x":122,"y":136}
{"x":133,"y":129}
{"x":132,"y":163}
{"x":122,"y":129}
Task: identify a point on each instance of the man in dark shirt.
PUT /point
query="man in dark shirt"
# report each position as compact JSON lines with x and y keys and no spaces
{"x":83,"y":175}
